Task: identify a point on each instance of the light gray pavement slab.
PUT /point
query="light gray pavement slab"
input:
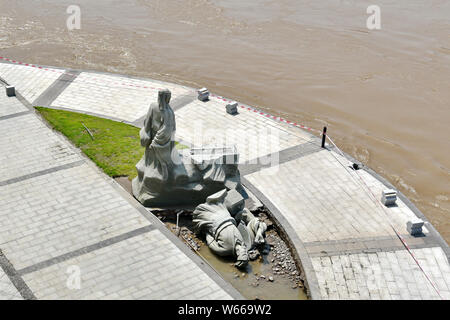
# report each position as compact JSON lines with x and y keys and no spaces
{"x":29,"y":146}
{"x":280,"y":157}
{"x":384,"y":275}
{"x":10,"y":106}
{"x":346,"y":244}
{"x":15,"y":281}
{"x":255,"y":136}
{"x":148,"y":266}
{"x":124,"y":98}
{"x":7,"y":290}
{"x":324,"y":201}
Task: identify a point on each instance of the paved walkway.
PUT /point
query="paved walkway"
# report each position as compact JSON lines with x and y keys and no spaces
{"x":61,"y":211}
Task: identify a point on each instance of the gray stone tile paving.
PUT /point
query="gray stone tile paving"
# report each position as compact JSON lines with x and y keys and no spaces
{"x":268,"y":161}
{"x":29,"y":146}
{"x":346,"y":244}
{"x":30,"y":82}
{"x":323,"y":201}
{"x":384,"y":275}
{"x":208,"y":123}
{"x":123,"y":98}
{"x":60,"y":212}
{"x":7,"y":290}
{"x":147,"y":266}
{"x":9,"y":105}
{"x":368,"y":245}
{"x":51,"y":93}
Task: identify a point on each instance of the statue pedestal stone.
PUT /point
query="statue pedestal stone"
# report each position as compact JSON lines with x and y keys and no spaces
{"x":194,"y":175}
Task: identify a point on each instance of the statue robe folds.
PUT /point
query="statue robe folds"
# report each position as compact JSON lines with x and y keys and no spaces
{"x":167,"y":178}
{"x":157,"y":137}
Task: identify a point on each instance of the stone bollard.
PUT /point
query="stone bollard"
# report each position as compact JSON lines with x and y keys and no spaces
{"x":203,"y":94}
{"x":389,"y":197}
{"x":232,"y":107}
{"x":10,"y":91}
{"x":414,"y":226}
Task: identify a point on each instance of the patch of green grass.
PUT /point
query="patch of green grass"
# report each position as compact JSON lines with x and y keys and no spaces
{"x":115,"y":148}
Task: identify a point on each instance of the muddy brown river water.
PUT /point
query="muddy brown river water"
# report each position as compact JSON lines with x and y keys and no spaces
{"x":383,"y":93}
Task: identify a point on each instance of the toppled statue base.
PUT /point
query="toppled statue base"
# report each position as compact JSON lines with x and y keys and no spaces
{"x":188,"y":182}
{"x":167,"y":177}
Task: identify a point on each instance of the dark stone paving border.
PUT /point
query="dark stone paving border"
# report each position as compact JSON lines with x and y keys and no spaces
{"x":368,"y":245}
{"x":85,"y":250}
{"x":282,"y":156}
{"x":183,"y":100}
{"x":15,"y":278}
{"x":300,"y":253}
{"x":42,"y":172}
{"x":60,"y":84}
{"x":14,"y":115}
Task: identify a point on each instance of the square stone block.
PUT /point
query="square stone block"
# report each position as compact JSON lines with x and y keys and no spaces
{"x":203,"y":94}
{"x":414,"y":226}
{"x":389,"y":197}
{"x":10,"y":91}
{"x":232,"y":108}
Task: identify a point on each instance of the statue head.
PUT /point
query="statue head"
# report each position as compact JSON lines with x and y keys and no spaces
{"x":163,"y":98}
